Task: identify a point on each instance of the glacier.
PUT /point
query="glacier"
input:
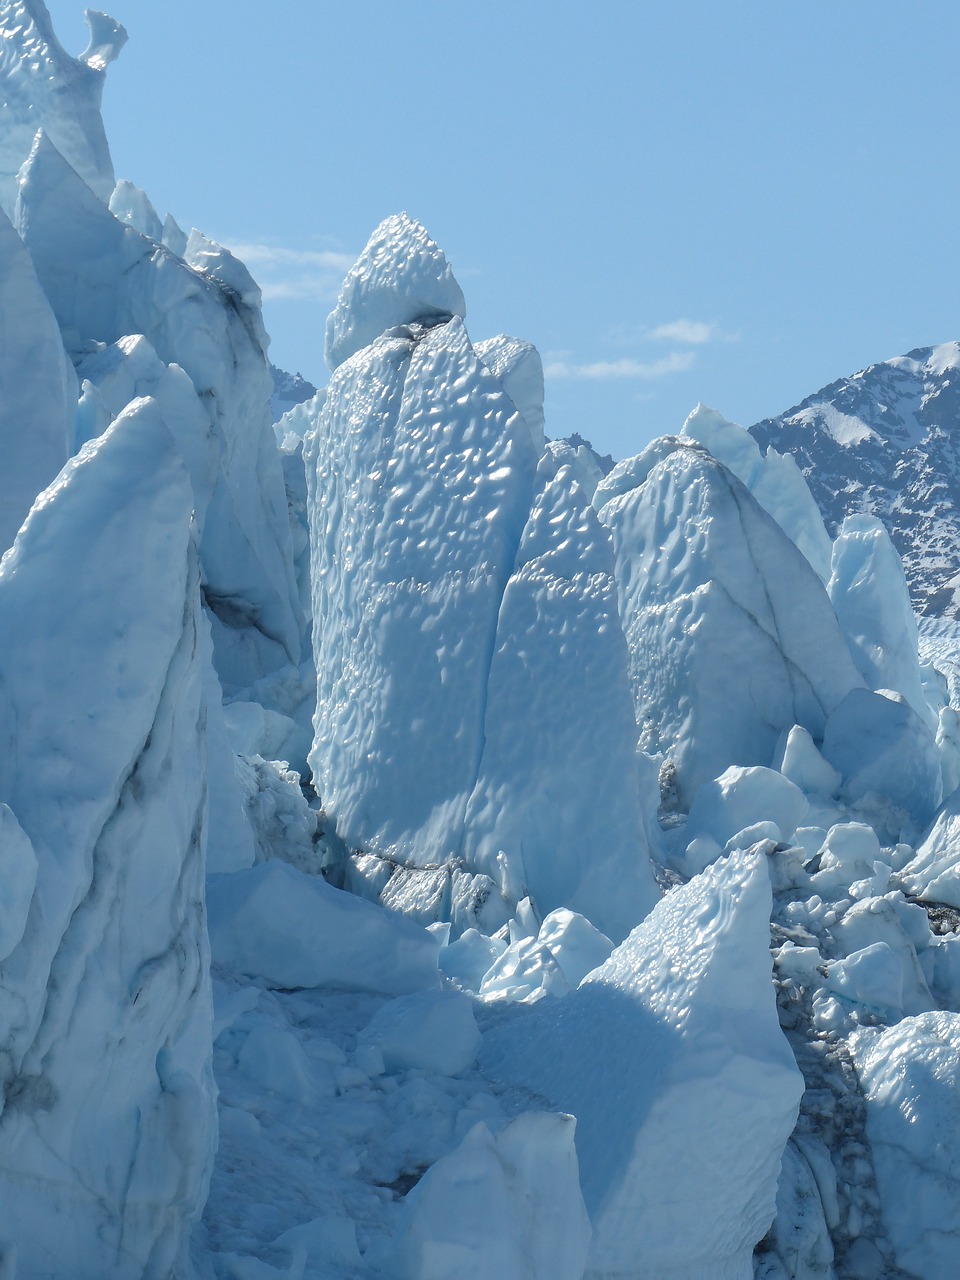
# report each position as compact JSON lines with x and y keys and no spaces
{"x":426,"y":848}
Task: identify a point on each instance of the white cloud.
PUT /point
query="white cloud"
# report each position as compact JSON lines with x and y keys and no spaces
{"x":675,"y":362}
{"x":312,"y":274}
{"x":688,"y":333}
{"x":692,"y":332}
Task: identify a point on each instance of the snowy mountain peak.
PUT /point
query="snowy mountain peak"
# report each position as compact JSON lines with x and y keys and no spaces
{"x":42,"y":86}
{"x":884,"y":442}
{"x":401,"y":277}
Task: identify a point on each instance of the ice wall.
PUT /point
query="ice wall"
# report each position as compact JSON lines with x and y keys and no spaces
{"x":106,"y":282}
{"x":732,"y":637}
{"x":108,"y":1122}
{"x":42,"y":87}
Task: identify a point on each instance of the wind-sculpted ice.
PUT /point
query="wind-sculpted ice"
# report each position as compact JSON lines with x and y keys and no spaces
{"x":108,"y":1120}
{"x":42,"y":87}
{"x":672,"y":1060}
{"x":558,"y":796}
{"x":773,"y":478}
{"x":106,"y":282}
{"x":731,"y":635}
{"x":38,"y":388}
{"x":401,"y":277}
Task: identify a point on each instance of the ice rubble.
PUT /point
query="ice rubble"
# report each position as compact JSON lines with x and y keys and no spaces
{"x":108,"y":1126}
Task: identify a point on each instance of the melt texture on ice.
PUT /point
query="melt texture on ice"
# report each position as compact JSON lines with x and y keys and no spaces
{"x":38,"y":407}
{"x":507,"y":1206}
{"x":106,"y":282}
{"x":108,"y":1121}
{"x":908,"y":1074}
{"x":868,"y":590}
{"x":731,"y":635}
{"x":42,"y":87}
{"x":291,"y":930}
{"x":671,"y":1058}
{"x":401,"y":277}
{"x":773,"y":478}
{"x":559,"y":788}
{"x":420,"y":476}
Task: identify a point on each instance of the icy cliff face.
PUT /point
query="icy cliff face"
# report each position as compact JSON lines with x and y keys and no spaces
{"x":108,"y":1124}
{"x":884,"y":442}
{"x":106,"y":282}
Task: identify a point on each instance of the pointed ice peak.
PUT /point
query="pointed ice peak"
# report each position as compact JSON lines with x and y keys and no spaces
{"x":400,"y":278}
{"x":107,"y":38}
{"x":632,"y":472}
{"x":42,"y":86}
{"x":132,"y":206}
{"x":519,"y":368}
{"x":174,"y":238}
{"x":728,"y":442}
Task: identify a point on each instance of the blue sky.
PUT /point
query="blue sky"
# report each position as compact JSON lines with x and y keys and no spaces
{"x":676,"y":202}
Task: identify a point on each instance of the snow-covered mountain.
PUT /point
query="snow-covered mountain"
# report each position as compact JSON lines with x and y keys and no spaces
{"x":425,"y":851}
{"x":887,"y":441}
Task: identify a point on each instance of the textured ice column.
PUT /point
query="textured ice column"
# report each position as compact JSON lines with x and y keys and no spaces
{"x":420,"y":476}
{"x":869,"y":592}
{"x":402,"y":277}
{"x":42,"y":87}
{"x":108,"y":1120}
{"x":106,"y":281}
{"x":908,"y":1074}
{"x":774,"y":479}
{"x":732,"y":637}
{"x":38,"y":388}
{"x":558,"y":793}
{"x":671,"y":1058}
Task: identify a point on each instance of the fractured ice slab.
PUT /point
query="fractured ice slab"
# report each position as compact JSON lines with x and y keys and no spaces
{"x":558,"y":793}
{"x":106,"y":281}
{"x":671,"y":1058}
{"x":732,"y":637}
{"x":42,"y":87}
{"x":108,"y":1121}
{"x":507,"y":1206}
{"x":38,"y":387}
{"x":401,"y":277}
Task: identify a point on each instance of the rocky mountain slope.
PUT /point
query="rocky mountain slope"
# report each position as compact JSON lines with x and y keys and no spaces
{"x":886,"y":441}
